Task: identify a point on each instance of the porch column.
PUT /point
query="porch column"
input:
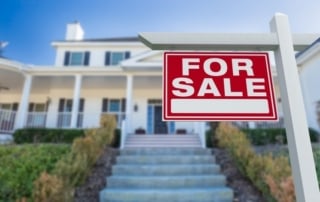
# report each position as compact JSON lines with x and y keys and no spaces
{"x":76,"y":100}
{"x":129,"y":103}
{"x":23,"y":108}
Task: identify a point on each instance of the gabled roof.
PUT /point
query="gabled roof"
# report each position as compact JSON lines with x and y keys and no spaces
{"x":144,"y":61}
{"x":116,"y":39}
{"x":309,"y":52}
{"x":113,"y":39}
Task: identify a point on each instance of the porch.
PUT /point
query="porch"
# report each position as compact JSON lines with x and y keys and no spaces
{"x":77,"y":97}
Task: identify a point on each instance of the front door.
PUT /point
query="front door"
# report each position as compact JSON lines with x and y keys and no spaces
{"x":160,"y":127}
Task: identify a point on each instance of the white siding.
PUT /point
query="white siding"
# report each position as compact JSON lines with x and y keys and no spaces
{"x":310,"y":83}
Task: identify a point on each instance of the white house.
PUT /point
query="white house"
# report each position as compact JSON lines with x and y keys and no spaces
{"x":118,"y":76}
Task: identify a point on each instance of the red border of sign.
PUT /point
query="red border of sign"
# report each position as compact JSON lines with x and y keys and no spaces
{"x":230,"y":117}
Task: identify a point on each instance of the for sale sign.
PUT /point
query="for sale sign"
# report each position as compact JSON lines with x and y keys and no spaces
{"x":218,"y":86}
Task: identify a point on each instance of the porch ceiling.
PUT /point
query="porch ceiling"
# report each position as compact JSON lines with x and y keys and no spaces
{"x":10,"y":80}
{"x":147,"y":82}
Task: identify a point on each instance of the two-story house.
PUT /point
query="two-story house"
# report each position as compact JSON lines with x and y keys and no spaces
{"x":90,"y":77}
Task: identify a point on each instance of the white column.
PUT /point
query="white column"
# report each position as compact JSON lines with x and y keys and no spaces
{"x":129,"y":104}
{"x":76,"y":100}
{"x":302,"y":162}
{"x":24,"y":102}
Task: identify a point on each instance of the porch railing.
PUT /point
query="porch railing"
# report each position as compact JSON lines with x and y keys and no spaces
{"x":7,"y":120}
{"x":262,"y":124}
{"x":36,"y":120}
{"x":64,"y":120}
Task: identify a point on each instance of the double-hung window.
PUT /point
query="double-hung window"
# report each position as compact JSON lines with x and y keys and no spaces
{"x":116,"y":107}
{"x":76,"y":58}
{"x":114,"y":58}
{"x":9,"y":106}
{"x":37,"y":115}
{"x":65,"y":110}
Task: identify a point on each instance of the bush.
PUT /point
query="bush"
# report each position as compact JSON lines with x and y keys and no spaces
{"x":117,"y":138}
{"x":74,"y":168}
{"x":20,"y":165}
{"x":209,"y":137}
{"x":48,"y":188}
{"x":45,"y":135}
{"x":263,"y":136}
{"x":271,"y":175}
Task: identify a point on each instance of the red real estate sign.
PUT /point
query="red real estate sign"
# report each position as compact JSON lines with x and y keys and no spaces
{"x":218,"y":86}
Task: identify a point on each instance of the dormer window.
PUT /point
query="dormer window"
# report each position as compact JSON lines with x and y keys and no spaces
{"x":114,"y":58}
{"x":77,"y":58}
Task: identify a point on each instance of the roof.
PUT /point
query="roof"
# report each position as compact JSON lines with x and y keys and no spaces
{"x":114,"y":39}
{"x":308,"y":48}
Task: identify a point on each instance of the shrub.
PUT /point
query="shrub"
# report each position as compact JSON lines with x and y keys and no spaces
{"x":271,"y":175}
{"x":117,"y":138}
{"x":263,"y":136}
{"x":209,"y":139}
{"x":20,"y":165}
{"x":49,"y":188}
{"x":45,"y":135}
{"x":73,"y":168}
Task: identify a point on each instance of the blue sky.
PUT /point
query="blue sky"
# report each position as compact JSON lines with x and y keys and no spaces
{"x":31,"y":25}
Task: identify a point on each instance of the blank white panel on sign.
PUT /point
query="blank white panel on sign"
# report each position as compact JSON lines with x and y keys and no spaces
{"x":233,"y":106}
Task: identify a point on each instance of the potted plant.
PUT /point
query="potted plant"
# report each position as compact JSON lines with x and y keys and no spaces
{"x":140,"y":131}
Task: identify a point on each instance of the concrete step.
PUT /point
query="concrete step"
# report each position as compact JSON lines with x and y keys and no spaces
{"x":166,"y":182}
{"x":166,"y":159}
{"x":172,"y":174}
{"x":164,"y":145}
{"x":136,"y":141}
{"x":171,"y":195}
{"x":165,"y":170}
{"x":165,"y":151}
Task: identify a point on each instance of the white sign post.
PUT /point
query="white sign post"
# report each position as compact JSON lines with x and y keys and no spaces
{"x":283,"y":43}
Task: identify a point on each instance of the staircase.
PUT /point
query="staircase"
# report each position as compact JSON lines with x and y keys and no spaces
{"x":166,"y":174}
{"x":138,"y":141}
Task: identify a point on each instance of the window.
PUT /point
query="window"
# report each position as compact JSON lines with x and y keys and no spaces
{"x":76,"y":58}
{"x":65,"y":105}
{"x":9,"y":106}
{"x":113,"y":105}
{"x":37,"y":107}
{"x":65,"y":109}
{"x":116,"y":107}
{"x":114,"y":58}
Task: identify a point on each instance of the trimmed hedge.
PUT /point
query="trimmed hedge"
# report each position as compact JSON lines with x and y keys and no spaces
{"x":209,"y":138}
{"x":46,"y":135}
{"x":117,"y":138}
{"x":265,"y":136}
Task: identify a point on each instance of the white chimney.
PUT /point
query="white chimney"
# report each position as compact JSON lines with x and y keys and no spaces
{"x":74,"y":31}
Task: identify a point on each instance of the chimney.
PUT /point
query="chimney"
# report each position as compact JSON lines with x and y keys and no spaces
{"x":74,"y":31}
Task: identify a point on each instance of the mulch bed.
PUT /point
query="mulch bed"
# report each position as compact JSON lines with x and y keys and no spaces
{"x":96,"y":181}
{"x":243,"y":189}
